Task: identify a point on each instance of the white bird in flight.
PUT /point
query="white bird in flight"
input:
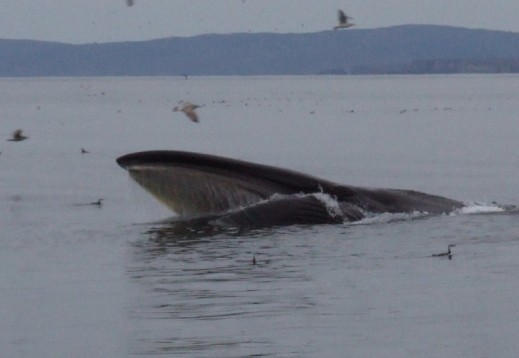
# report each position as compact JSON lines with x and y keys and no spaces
{"x":189,"y":110}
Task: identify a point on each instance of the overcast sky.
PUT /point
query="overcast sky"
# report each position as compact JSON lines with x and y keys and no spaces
{"x":83,"y":21}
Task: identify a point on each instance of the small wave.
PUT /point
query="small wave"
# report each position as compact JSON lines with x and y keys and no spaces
{"x":468,"y":209}
{"x":479,"y":208}
{"x":383,"y":218}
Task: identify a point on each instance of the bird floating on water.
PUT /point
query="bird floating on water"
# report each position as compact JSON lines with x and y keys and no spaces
{"x":17,"y":136}
{"x":84,"y":151}
{"x":98,"y":202}
{"x":343,"y":20}
{"x":447,"y":253}
{"x":189,"y":110}
{"x":130,"y":2}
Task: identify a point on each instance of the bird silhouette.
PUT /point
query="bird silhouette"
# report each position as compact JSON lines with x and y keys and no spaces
{"x":17,"y":136}
{"x":447,"y":253}
{"x":98,"y":202}
{"x":343,"y":20}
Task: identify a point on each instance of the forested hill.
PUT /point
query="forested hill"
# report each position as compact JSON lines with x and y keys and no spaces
{"x":399,"y":49}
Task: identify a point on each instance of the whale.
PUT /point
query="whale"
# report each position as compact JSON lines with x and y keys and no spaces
{"x":239,"y":193}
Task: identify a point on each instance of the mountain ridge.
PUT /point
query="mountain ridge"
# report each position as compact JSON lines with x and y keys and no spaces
{"x":395,"y":49}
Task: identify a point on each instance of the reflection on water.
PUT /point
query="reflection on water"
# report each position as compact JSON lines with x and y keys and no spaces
{"x":175,"y":230}
{"x":195,"y":284}
{"x":315,"y":289}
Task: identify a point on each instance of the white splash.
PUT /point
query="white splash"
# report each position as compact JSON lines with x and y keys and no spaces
{"x":479,"y":208}
{"x":331,"y":203}
{"x":383,"y":218}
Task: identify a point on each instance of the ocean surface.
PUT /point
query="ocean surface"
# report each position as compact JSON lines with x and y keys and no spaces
{"x":81,"y":280}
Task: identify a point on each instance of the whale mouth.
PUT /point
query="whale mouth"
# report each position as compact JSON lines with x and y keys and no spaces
{"x":245,"y":193}
{"x":193,"y":184}
{"x":191,"y":192}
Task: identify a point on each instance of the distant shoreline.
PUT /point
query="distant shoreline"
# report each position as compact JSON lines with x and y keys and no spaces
{"x":405,"y":49}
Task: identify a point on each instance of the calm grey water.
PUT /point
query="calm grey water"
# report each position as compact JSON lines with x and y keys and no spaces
{"x":112,"y":281}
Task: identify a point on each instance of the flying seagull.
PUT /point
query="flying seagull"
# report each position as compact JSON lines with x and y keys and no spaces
{"x":343,"y":20}
{"x":189,"y":110}
{"x":17,"y":136}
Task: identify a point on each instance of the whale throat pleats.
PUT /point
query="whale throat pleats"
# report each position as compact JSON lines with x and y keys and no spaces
{"x":190,"y":192}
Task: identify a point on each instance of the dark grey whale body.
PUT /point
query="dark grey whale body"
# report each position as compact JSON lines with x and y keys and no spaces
{"x":241,"y":193}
